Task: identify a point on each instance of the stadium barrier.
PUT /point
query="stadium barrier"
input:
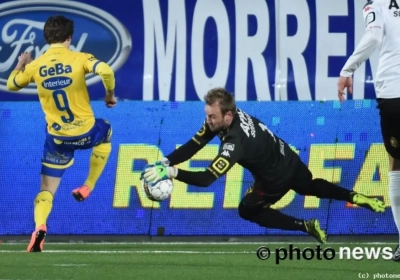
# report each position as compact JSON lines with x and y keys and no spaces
{"x":339,"y":142}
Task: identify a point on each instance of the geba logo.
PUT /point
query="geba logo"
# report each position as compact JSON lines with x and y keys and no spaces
{"x":96,"y":32}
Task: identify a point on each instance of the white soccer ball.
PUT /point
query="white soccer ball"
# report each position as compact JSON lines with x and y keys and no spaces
{"x":160,"y":191}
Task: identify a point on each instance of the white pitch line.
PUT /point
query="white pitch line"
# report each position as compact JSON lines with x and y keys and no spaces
{"x":134,"y":252}
{"x":70,"y":264}
{"x":272,"y":251}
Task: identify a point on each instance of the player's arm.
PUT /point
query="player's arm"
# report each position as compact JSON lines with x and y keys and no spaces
{"x":22,"y":75}
{"x":191,"y":147}
{"x":370,"y":41}
{"x":229,"y":153}
{"x":93,"y":65}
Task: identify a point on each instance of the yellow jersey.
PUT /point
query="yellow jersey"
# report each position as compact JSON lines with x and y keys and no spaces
{"x":59,"y":74}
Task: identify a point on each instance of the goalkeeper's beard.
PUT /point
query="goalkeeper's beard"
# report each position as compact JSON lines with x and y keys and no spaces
{"x":218,"y":128}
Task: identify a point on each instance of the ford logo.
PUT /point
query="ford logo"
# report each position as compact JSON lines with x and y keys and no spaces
{"x":96,"y":32}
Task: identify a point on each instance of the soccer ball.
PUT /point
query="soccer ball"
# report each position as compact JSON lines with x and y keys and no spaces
{"x":160,"y":191}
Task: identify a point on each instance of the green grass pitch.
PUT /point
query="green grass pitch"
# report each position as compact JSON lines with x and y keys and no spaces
{"x":117,"y":261}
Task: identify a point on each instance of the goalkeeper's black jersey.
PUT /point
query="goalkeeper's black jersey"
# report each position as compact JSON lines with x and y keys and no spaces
{"x":247,"y":142}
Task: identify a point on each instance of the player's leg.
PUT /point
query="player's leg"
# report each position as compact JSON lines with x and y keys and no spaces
{"x":255,"y":207}
{"x":101,"y":139}
{"x":394,"y":195}
{"x":42,"y":207}
{"x":54,"y":162}
{"x":304,"y":184}
{"x":389,"y":115}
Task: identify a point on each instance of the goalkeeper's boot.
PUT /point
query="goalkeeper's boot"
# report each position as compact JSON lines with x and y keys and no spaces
{"x":396,"y":254}
{"x":370,"y":203}
{"x":313,"y":229}
{"x":80,"y":194}
{"x":37,"y":240}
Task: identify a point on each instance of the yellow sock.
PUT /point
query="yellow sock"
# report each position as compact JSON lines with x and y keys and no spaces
{"x":43,"y":205}
{"x":98,"y":161}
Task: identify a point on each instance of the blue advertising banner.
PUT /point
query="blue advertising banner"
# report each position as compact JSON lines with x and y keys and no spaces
{"x":177,"y":50}
{"x":341,"y":143}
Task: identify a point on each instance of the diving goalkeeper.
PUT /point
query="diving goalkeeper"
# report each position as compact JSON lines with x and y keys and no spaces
{"x":275,"y":167}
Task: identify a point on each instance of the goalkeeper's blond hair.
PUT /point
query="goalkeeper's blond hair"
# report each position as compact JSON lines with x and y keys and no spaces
{"x":223,"y":97}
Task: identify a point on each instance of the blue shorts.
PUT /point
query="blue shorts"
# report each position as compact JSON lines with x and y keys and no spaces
{"x":59,"y":151}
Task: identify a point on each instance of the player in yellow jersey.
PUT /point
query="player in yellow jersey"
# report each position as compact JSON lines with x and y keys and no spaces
{"x":60,"y":78}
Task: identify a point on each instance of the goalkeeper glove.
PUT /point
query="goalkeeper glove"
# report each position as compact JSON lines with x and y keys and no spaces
{"x":157,"y":172}
{"x":164,"y":161}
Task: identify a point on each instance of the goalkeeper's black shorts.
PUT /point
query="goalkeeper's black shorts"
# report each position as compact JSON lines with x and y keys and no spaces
{"x":264,"y":193}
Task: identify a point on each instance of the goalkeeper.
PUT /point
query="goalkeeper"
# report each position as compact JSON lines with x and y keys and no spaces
{"x":275,"y":167}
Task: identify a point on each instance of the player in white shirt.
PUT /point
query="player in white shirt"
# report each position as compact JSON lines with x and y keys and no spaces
{"x":382,"y":31}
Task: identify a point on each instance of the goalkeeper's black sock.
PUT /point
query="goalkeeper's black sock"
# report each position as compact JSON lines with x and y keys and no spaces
{"x":272,"y":218}
{"x":323,"y":189}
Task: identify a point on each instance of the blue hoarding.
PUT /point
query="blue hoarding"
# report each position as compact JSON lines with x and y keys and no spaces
{"x":341,"y":143}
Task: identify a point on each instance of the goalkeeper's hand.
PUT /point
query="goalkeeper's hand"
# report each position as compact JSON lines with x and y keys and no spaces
{"x":157,"y":172}
{"x":164,"y":161}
